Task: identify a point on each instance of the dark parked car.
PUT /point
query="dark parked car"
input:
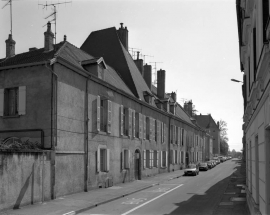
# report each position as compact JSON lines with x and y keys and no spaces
{"x":192,"y":169}
{"x":203,"y":166}
{"x":209,"y":164}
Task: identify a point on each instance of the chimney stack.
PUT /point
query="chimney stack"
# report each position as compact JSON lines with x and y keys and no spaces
{"x":10,"y":47}
{"x":174,"y":96}
{"x":161,"y":75}
{"x":48,"y":38}
{"x":148,"y":75}
{"x":123,"y":35}
{"x":139,"y":63}
{"x":188,"y":107}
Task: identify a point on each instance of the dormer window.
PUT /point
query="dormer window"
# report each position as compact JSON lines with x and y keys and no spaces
{"x":95,"y":67}
{"x":148,"y":97}
{"x":173,"y":108}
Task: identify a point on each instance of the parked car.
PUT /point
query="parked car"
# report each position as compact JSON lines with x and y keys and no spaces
{"x":203,"y":166}
{"x":192,"y":169}
{"x":213,"y":162}
{"x":209,"y":164}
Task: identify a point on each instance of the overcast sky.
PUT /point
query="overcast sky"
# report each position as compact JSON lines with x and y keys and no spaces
{"x":196,"y":41}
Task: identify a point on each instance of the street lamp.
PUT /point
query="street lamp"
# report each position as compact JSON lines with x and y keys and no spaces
{"x":234,"y":80}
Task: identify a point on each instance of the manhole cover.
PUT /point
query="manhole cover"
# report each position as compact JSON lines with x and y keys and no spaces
{"x":229,"y":193}
{"x":226,"y":203}
{"x":238,"y":199}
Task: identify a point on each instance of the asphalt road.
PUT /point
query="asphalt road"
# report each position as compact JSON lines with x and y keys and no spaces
{"x":186,"y":195}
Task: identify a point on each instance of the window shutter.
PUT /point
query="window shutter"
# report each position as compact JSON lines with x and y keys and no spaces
{"x":179,"y":157}
{"x":108,"y":160}
{"x":2,"y":102}
{"x":98,"y":160}
{"x":22,"y":100}
{"x":179,"y":135}
{"x":158,"y":132}
{"x":144,"y":159}
{"x":140,"y":126}
{"x":165,"y":132}
{"x":185,"y":137}
{"x":161,"y":132}
{"x":121,"y":120}
{"x":109,"y":118}
{"x":144,"y":127}
{"x":174,"y":135}
{"x":157,"y":159}
{"x":128,"y":163}
{"x":166,"y":158}
{"x":161,"y":159}
{"x":123,"y":159}
{"x":98,"y":113}
{"x":129,"y":122}
{"x":150,"y":128}
{"x":134,"y":118}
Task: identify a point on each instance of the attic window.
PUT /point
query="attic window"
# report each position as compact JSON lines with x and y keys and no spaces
{"x":147,"y":97}
{"x":172,"y":108}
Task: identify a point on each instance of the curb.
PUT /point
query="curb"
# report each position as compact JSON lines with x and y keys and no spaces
{"x":116,"y":197}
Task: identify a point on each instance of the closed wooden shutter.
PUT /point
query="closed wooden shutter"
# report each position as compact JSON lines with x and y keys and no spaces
{"x":98,"y":113}
{"x":2,"y":102}
{"x":22,"y":100}
{"x":109,"y":118}
{"x":144,"y":159}
{"x":108,"y":160}
{"x":98,"y":160}
{"x":157,"y":158}
{"x":166,"y":158}
{"x":150,"y":128}
{"x":161,"y":158}
{"x":174,"y":135}
{"x":144,"y":127}
{"x":161,"y":133}
{"x":121,"y":120}
{"x":123,"y":159}
{"x":134,"y":124}
{"x":140,"y":126}
{"x":165,"y":133}
{"x":129,"y":122}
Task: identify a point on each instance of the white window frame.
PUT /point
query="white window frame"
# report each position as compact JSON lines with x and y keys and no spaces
{"x":106,"y":161}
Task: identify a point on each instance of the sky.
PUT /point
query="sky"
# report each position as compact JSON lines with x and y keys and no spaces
{"x":195,"y":41}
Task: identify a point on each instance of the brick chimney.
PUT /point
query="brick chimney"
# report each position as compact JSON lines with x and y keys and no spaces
{"x":123,"y":35}
{"x":161,"y":76}
{"x":139,"y":63}
{"x":188,"y":107}
{"x":174,"y":96}
{"x":48,"y":38}
{"x":10,"y":46}
{"x":148,"y":75}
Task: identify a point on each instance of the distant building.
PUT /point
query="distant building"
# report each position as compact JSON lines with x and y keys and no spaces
{"x":254,"y":35}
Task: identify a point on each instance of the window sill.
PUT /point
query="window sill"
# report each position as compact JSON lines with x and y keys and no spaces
{"x":14,"y":116}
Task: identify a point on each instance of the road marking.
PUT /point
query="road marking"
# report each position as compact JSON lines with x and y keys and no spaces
{"x":151,"y":200}
{"x":134,"y":201}
{"x":159,"y":190}
{"x":70,"y":213}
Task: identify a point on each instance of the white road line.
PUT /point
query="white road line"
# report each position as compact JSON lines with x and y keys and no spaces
{"x":150,"y":200}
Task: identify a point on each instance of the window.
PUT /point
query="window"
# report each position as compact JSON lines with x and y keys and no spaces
{"x":125,"y":159}
{"x":162,"y":131}
{"x":126,"y":121}
{"x":156,"y":130}
{"x":156,"y":158}
{"x":171,"y":133}
{"x":175,"y":157}
{"x":104,"y":114}
{"x":137,"y":125}
{"x":182,"y":157}
{"x":13,"y":101}
{"x":182,"y":141}
{"x":103,"y":159}
{"x":163,"y":158}
{"x":147,"y":128}
{"x":172,"y":156}
{"x":148,"y":158}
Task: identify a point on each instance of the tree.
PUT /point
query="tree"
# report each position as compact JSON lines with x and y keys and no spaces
{"x":224,"y":146}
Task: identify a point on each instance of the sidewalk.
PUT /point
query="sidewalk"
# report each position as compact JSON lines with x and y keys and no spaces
{"x":79,"y":202}
{"x":233,"y":200}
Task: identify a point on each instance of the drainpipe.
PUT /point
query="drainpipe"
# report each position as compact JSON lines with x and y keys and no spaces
{"x":169,"y":145}
{"x":86,"y":137}
{"x":53,"y":123}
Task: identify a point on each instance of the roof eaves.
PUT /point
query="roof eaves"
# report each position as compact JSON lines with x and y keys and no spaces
{"x":23,"y":65}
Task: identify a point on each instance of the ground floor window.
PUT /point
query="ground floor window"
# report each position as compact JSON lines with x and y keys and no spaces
{"x":103,"y":159}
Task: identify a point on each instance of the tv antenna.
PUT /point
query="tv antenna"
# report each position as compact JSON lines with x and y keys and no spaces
{"x":53,"y":14}
{"x":133,"y":51}
{"x":9,"y":2}
{"x":144,"y":55}
{"x":155,"y":72}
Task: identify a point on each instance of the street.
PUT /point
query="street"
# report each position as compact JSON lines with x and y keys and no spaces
{"x":185,"y":195}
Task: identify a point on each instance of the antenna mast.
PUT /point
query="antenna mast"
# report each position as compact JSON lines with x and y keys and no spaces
{"x":10,"y":4}
{"x":155,"y":73}
{"x":53,"y":14}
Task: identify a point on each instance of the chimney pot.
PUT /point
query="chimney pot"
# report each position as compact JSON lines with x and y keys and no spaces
{"x":48,"y":38}
{"x":121,"y":24}
{"x":161,"y":80}
{"x":138,"y":55}
{"x":147,"y":75}
{"x":123,"y":35}
{"x":65,"y":37}
{"x":10,"y":46}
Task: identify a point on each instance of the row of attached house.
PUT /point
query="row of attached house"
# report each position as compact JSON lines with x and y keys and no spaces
{"x":254,"y":34}
{"x":100,"y":116}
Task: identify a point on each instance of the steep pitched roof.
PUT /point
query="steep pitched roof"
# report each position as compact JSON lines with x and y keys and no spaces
{"x":71,"y":54}
{"x":206,"y":121}
{"x":106,"y":43}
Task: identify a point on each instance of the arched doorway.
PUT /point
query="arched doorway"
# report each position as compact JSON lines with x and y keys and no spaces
{"x":187,"y":158}
{"x":137,"y":164}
